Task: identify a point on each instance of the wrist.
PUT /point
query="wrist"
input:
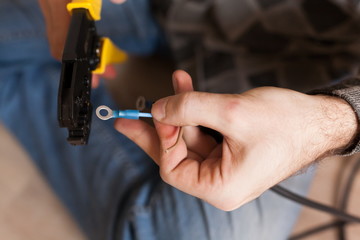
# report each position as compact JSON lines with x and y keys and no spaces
{"x":337,"y":125}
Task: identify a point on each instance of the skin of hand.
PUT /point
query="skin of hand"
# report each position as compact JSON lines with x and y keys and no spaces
{"x":268,"y":133}
{"x":57,"y":21}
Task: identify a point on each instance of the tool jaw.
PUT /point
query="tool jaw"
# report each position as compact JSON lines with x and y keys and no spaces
{"x":84,"y":53}
{"x":80,"y":57}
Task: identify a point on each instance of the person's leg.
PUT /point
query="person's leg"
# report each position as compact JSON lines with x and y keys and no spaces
{"x":110,"y":186}
{"x":161,"y":212}
{"x":91,"y":180}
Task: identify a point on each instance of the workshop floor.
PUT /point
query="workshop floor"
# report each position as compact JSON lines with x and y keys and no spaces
{"x":27,"y":204}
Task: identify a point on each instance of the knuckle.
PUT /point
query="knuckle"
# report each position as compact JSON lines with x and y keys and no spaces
{"x":230,"y":204}
{"x":227,"y":207}
{"x":226,"y":204}
{"x":232,"y":111}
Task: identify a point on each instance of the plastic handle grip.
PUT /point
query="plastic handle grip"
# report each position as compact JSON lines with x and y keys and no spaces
{"x":93,"y":6}
{"x":109,"y":54}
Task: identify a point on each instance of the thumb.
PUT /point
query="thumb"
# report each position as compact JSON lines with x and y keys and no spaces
{"x":215,"y":111}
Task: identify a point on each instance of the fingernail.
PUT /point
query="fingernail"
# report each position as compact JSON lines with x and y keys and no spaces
{"x":158,"y":109}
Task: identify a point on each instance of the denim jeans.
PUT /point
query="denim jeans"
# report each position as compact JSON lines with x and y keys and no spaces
{"x":111,"y":188}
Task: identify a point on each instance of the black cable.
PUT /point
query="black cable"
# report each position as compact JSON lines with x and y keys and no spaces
{"x":342,"y":206}
{"x":341,"y":231}
{"x":315,"y":230}
{"x":315,"y":205}
{"x":344,"y":217}
{"x":345,"y":199}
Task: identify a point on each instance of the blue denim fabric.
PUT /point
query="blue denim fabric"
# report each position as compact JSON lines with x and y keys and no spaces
{"x":112,"y":189}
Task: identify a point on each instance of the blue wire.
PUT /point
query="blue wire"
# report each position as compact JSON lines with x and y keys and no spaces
{"x":130,"y":114}
{"x":148,"y":115}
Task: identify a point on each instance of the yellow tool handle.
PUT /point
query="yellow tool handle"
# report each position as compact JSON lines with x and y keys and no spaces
{"x":109,"y":54}
{"x":93,"y":6}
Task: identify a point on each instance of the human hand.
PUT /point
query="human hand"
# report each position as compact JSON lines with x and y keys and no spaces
{"x":269,"y":134}
{"x":57,"y":20}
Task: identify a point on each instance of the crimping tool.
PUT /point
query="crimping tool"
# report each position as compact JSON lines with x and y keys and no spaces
{"x":85,"y":52}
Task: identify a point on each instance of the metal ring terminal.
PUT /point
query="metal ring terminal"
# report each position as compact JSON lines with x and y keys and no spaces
{"x":140,"y":103}
{"x":107,"y":109}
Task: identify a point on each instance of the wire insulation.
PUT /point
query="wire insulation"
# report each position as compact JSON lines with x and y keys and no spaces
{"x":315,"y":205}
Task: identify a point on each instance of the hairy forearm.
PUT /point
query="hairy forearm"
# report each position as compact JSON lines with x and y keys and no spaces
{"x":345,"y":97}
{"x":337,"y":125}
